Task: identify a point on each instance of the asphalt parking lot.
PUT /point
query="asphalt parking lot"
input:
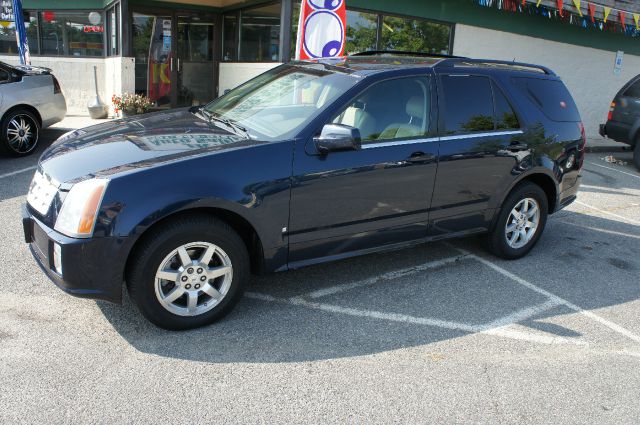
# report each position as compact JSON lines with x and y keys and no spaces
{"x":439,"y":333}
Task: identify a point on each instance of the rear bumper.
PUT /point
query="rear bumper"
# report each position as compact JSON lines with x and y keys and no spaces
{"x":53,"y":111}
{"x":618,"y":131}
{"x":91,"y":268}
{"x":569,"y":195}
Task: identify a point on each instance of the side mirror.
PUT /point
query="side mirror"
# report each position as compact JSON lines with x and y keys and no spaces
{"x":338,"y":137}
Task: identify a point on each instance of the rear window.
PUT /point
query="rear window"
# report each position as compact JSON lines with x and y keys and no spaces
{"x":633,"y":90}
{"x":551,"y":96}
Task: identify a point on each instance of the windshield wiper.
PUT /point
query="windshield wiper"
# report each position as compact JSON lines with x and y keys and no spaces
{"x":229,"y":123}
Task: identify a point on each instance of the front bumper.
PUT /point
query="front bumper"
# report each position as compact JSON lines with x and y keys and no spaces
{"x":91,"y":268}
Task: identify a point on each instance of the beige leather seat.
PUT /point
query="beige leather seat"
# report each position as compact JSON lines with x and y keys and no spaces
{"x":416,"y":110}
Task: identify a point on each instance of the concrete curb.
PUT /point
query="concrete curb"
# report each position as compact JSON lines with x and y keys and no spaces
{"x":601,"y":149}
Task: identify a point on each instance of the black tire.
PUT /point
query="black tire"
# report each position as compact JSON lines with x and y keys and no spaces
{"x":17,"y":147}
{"x":147,"y":258}
{"x":497,"y":238}
{"x":636,"y":154}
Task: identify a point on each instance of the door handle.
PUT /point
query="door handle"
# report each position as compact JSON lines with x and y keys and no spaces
{"x":421,"y":158}
{"x":517,"y":147}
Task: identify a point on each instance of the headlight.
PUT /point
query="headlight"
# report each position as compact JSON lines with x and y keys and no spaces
{"x":77,"y":216}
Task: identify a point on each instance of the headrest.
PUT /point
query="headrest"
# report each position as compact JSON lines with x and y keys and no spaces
{"x":415,"y":107}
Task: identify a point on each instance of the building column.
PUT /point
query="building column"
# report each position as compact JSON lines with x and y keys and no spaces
{"x":285,"y":30}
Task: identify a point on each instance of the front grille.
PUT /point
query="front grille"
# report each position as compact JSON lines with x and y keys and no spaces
{"x":41,"y":193}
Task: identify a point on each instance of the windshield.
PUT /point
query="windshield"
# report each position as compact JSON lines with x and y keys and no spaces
{"x":277,"y":104}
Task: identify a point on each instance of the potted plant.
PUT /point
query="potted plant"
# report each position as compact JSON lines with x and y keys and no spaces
{"x":131,"y":104}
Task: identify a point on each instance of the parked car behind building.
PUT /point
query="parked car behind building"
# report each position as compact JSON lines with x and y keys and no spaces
{"x":623,"y":122}
{"x":30,"y":100}
{"x":307,"y":163}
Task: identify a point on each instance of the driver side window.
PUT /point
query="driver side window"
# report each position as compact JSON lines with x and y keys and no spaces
{"x":390,"y":110}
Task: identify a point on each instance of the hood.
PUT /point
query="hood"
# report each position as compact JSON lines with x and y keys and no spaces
{"x":134,"y":143}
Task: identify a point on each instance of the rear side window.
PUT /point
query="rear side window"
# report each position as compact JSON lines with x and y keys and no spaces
{"x":506,"y":117}
{"x":551,"y":96}
{"x":468,"y":104}
{"x":633,"y":90}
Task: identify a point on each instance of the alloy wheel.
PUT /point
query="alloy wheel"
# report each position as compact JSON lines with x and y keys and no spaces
{"x":522,"y":223}
{"x":22,"y":134}
{"x":193,"y":279}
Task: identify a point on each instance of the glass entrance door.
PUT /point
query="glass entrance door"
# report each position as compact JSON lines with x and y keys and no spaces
{"x":154,"y":53}
{"x":174,"y":58}
{"x":194,"y":60}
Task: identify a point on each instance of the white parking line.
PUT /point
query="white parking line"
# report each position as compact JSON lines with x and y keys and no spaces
{"x":628,"y":220}
{"x":613,"y":326}
{"x":395,"y":274}
{"x":13,"y":173}
{"x":613,"y":169}
{"x":597,"y":229}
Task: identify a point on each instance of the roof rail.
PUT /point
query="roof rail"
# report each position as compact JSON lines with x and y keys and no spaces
{"x":452,"y":62}
{"x":406,"y":53}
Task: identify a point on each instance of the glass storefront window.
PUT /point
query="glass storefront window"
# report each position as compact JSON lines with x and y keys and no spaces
{"x":72,"y":33}
{"x":8,"y":43}
{"x":414,"y":35}
{"x":260,"y":34}
{"x":230,"y":46}
{"x":362,"y":31}
{"x":113,"y":37}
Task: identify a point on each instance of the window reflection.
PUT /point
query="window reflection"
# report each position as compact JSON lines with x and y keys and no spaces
{"x":260,"y":34}
{"x":414,"y":35}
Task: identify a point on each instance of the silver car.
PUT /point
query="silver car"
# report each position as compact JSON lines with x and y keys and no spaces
{"x":30,"y":99}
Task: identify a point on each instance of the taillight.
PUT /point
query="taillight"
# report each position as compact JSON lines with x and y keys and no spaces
{"x":611,"y":109}
{"x":583,"y":135}
{"x":56,"y":86}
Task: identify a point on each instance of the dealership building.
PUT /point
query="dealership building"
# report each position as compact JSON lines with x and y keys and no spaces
{"x":187,"y":52}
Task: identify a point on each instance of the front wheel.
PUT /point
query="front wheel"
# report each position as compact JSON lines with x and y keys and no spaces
{"x":189,"y":273}
{"x":520,"y":223}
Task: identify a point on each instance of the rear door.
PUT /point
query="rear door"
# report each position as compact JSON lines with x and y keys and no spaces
{"x":346,"y":202}
{"x":627,"y":108}
{"x":479,"y":148}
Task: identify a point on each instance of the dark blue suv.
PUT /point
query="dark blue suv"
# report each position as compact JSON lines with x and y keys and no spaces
{"x":307,"y":163}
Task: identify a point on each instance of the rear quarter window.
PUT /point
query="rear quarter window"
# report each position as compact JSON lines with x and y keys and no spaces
{"x":550,"y":96}
{"x":633,"y":90}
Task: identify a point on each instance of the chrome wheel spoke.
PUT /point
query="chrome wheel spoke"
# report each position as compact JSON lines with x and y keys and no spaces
{"x":192,"y":301}
{"x":514,"y":238}
{"x":532,"y":211}
{"x":185,"y":259}
{"x":170,"y":275}
{"x":216,"y":272}
{"x":208,"y":255}
{"x":212,"y":292}
{"x":511,"y":227}
{"x":174,"y":295}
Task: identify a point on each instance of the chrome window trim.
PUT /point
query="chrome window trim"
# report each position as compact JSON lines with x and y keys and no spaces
{"x":399,"y":143}
{"x":439,"y":139}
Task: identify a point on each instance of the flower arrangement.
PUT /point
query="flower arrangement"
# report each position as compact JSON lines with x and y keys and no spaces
{"x":131,"y":104}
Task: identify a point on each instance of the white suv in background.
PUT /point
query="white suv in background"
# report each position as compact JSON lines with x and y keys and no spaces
{"x":30,"y":99}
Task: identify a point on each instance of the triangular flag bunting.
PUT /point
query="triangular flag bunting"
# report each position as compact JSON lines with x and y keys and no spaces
{"x":607,"y":11}
{"x":576,"y":3}
{"x":622,"y":17}
{"x":592,"y":11}
{"x":560,"y":6}
{"x":538,"y":4}
{"x":636,"y":19}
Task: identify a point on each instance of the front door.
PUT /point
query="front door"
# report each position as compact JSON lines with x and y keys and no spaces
{"x":194,"y":61}
{"x":349,"y":202}
{"x":174,"y":58}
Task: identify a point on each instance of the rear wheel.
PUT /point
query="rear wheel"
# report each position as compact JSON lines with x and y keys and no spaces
{"x":20,"y":131}
{"x":520,"y":223}
{"x":190,"y":273}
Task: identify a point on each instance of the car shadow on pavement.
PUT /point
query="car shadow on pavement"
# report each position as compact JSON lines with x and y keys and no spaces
{"x":383,"y":302}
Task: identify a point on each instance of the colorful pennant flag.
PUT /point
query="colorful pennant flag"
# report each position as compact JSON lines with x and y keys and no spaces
{"x":560,"y":8}
{"x":636,"y":19}
{"x":576,"y":3}
{"x":622,"y":17}
{"x":321,"y":29}
{"x":592,"y":12}
{"x":538,"y":4}
{"x":607,"y":11}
